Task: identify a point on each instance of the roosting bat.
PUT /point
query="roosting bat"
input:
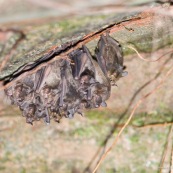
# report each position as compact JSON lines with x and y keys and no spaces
{"x":65,"y":87}
{"x":110,"y":58}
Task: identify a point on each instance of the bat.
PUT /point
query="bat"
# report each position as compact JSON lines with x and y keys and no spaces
{"x":67,"y":86}
{"x":82,"y":62}
{"x":28,"y":109}
{"x":110,"y":57}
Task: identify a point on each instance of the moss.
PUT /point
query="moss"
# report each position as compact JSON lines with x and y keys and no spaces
{"x":135,"y":138}
{"x":102,"y":116}
{"x":92,"y":131}
{"x":131,"y":153}
{"x":22,"y":170}
{"x":161,"y":116}
{"x":83,"y":132}
{"x":111,"y":170}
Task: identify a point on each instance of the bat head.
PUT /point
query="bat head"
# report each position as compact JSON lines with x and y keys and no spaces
{"x":117,"y":74}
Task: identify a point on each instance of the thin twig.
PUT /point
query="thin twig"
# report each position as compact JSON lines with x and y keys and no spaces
{"x":148,"y":60}
{"x":148,"y":125}
{"x":166,"y":149}
{"x":130,"y":117}
{"x":172,"y":159}
{"x":155,"y":125}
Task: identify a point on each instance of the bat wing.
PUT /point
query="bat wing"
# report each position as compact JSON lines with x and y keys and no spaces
{"x":40,"y":77}
{"x":115,"y":49}
{"x":110,"y":57}
{"x":82,"y":62}
{"x":101,"y":54}
{"x":63,"y":87}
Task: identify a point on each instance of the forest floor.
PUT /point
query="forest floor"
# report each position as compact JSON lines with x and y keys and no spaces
{"x":68,"y":147}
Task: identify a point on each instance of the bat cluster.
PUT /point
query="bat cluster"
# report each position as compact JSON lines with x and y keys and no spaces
{"x":67,"y":86}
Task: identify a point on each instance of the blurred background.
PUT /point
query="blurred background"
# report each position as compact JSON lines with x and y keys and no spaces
{"x":75,"y":146}
{"x":20,"y":10}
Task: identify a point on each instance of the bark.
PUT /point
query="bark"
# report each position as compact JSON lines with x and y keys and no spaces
{"x":147,"y":31}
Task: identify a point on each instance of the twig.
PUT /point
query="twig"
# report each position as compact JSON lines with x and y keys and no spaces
{"x":130,"y":117}
{"x":172,"y":159}
{"x":166,"y":149}
{"x":148,"y":125}
{"x":155,"y":125}
{"x":148,"y":60}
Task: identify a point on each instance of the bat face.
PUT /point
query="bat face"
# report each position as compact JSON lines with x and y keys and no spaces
{"x":65,"y":87}
{"x":110,"y":58}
